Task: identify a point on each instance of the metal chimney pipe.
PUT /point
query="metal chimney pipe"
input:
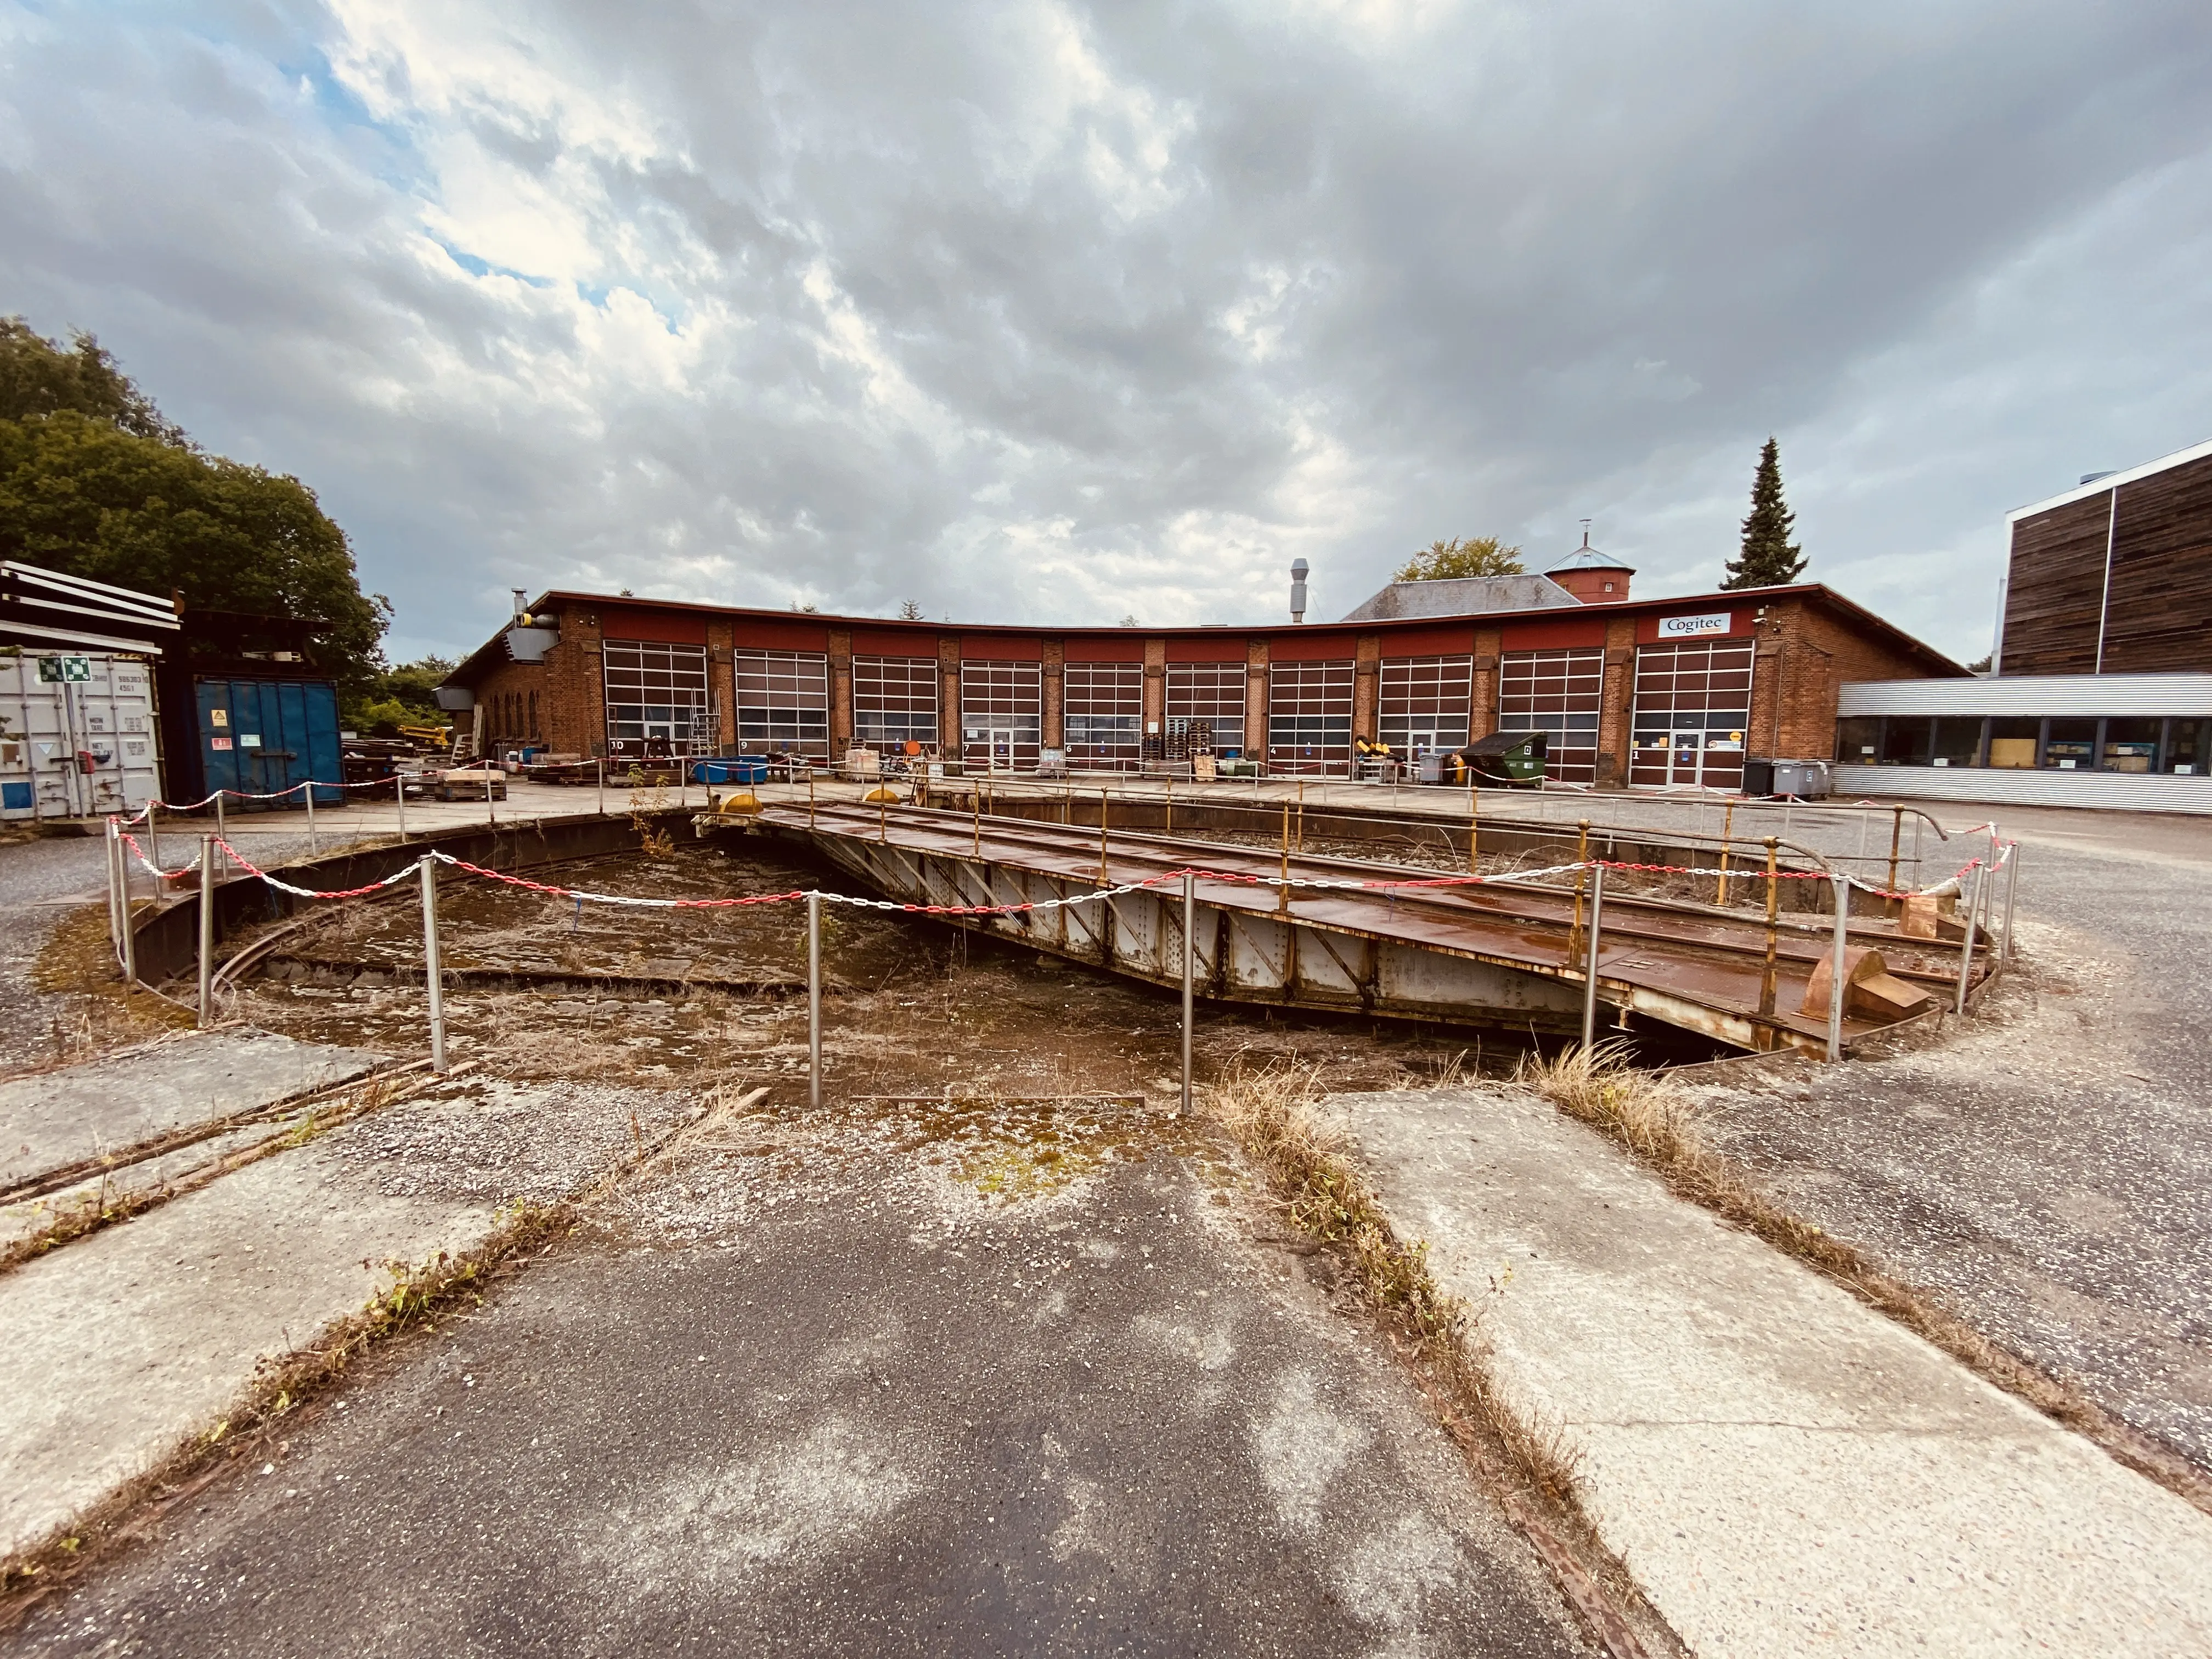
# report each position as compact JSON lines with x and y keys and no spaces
{"x":1298,"y":567}
{"x":521,"y":594}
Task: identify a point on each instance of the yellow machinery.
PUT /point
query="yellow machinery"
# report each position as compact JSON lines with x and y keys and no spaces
{"x":437,"y":737}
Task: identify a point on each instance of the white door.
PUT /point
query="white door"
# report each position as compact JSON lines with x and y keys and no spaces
{"x":1686,"y":758}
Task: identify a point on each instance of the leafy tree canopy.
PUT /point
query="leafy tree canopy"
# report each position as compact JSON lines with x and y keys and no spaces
{"x":404,"y":695}
{"x":93,"y":482}
{"x":1476,"y":555}
{"x":37,"y":376}
{"x":1769,"y":557}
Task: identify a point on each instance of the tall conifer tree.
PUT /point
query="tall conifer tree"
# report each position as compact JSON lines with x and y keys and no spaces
{"x":1769,"y":558}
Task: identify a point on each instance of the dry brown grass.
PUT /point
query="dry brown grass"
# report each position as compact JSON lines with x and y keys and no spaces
{"x":1528,"y":1466}
{"x":1642,"y":1110}
{"x":1648,"y":1114}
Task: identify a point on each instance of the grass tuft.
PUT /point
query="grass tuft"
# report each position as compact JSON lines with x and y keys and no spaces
{"x":1272,"y":1113}
{"x":1642,"y":1110}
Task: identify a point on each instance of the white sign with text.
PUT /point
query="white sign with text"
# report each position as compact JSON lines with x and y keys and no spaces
{"x":1686,"y":627}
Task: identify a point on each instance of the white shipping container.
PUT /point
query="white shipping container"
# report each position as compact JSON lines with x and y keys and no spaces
{"x":79,"y":746}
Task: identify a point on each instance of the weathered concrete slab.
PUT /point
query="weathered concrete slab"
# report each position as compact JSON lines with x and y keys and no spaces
{"x":1784,"y":1470}
{"x":114,"y":1347}
{"x":54,"y":1119}
{"x":818,"y":1388}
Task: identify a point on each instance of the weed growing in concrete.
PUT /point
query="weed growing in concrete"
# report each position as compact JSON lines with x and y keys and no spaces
{"x":1642,"y":1110}
{"x":1529,"y":1467}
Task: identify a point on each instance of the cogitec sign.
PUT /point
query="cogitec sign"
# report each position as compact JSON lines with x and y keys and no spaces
{"x":1691,"y":628}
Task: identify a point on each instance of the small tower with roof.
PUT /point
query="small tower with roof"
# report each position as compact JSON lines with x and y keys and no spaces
{"x":1593,"y":577}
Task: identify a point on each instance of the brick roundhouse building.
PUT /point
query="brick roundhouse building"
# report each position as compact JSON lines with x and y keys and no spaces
{"x":1645,"y":691}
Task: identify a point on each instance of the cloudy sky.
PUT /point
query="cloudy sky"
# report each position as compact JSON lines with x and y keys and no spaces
{"x":1039,"y":312}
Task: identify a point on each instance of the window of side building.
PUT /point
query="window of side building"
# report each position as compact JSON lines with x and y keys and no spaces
{"x":2131,"y":745}
{"x":2070,"y":745}
{"x":1958,"y":741}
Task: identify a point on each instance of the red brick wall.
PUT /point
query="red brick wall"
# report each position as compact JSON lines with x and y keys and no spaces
{"x":571,"y":708}
{"x":1804,"y":656}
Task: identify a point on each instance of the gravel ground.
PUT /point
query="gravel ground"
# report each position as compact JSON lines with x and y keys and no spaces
{"x":900,"y":1382}
{"x":2045,"y":1166}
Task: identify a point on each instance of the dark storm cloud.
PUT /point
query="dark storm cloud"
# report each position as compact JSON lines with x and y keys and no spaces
{"x":1051,"y":312}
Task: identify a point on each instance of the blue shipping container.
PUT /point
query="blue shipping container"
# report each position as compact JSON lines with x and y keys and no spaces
{"x":260,"y":737}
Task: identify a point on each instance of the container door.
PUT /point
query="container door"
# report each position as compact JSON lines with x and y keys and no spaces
{"x":288,"y":764}
{"x":218,"y":736}
{"x":319,"y":744}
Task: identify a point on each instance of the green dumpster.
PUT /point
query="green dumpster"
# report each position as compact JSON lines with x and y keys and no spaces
{"x":1508,"y":756}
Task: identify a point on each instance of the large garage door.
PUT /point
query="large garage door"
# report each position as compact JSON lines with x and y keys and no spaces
{"x":1001,"y":715}
{"x":1104,"y":714}
{"x":1210,"y":691}
{"x":783,"y":702}
{"x":1692,"y":709}
{"x":656,"y":698}
{"x":1559,"y":692}
{"x":1423,"y":702}
{"x":1310,"y":716}
{"x":894,"y":702}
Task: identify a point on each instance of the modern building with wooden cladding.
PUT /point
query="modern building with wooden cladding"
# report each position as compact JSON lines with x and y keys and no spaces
{"x":2101,"y":693}
{"x":2114,"y":576}
{"x":1673,"y":691}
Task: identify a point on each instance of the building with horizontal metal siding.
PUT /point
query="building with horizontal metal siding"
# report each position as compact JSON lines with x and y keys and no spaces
{"x":2142,"y":741}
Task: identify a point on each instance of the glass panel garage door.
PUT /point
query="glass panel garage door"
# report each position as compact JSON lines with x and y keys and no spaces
{"x":1105,"y":714}
{"x":1423,"y":703}
{"x":1310,"y":716}
{"x":1209,"y":691}
{"x":1559,"y":692}
{"x":1001,"y":714}
{"x":783,"y":702}
{"x":894,"y":702}
{"x":1692,"y":709}
{"x":656,"y":698}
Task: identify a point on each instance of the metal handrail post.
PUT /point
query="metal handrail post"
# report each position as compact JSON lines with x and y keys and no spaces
{"x":399,"y":794}
{"x":1189,"y":974}
{"x":114,"y":905}
{"x":491,"y":813}
{"x":1582,"y":880}
{"x":1589,"y":961}
{"x":1840,"y":885}
{"x":219,"y":828}
{"x":1473,"y":824}
{"x":1282,"y":892}
{"x":207,"y":931}
{"x":814,"y":1000}
{"x":1966,"y":947}
{"x":1102,"y":881}
{"x":434,"y":977}
{"x":2012,"y":882}
{"x":153,"y":842}
{"x":1727,"y":826}
{"x":1896,"y":839}
{"x":1774,"y":916}
{"x":314,"y":848}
